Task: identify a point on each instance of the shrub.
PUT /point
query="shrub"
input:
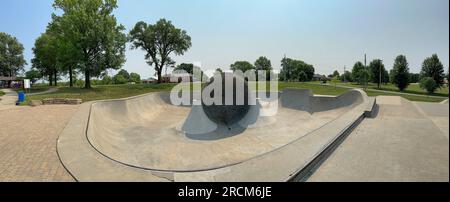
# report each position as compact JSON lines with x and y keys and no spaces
{"x":428,"y":84}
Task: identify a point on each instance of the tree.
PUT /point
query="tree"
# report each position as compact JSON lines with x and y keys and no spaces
{"x":428,"y":84}
{"x":135,"y":78}
{"x":106,"y":80}
{"x":189,"y":68}
{"x":291,"y":70}
{"x":125,"y":74}
{"x":302,"y":76}
{"x":242,"y":65}
{"x":119,"y":79}
{"x":45,"y":60}
{"x":67,"y":56}
{"x":432,"y":67}
{"x":159,"y":41}
{"x":357,"y":68}
{"x":375,"y":67}
{"x":11,"y":56}
{"x":400,"y":73}
{"x":347,"y":77}
{"x":90,"y":28}
{"x":219,"y":70}
{"x":414,"y":78}
{"x":363,"y":76}
{"x":33,"y":75}
{"x":263,"y":64}
{"x":336,"y":73}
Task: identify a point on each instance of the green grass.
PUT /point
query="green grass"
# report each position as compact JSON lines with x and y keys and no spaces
{"x":104,"y":92}
{"x":2,"y":93}
{"x":124,"y":91}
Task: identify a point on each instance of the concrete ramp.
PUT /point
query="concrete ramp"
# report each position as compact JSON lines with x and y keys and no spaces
{"x":178,"y":143}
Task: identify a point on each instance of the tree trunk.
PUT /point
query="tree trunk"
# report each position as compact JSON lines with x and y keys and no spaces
{"x":159,"y":77}
{"x":50,"y":79}
{"x":56,"y":78}
{"x":87,"y":79}
{"x":70,"y":77}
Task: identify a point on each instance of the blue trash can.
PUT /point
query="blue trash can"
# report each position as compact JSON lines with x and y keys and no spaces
{"x":21,"y":96}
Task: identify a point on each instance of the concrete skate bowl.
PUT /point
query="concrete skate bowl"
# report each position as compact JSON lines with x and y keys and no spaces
{"x":150,"y":133}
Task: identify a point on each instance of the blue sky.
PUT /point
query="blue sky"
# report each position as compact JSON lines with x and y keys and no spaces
{"x":329,"y":34}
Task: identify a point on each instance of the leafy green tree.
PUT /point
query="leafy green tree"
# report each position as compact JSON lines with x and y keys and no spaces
{"x":67,"y":56}
{"x":291,"y":70}
{"x":262,"y":63}
{"x":356,"y":75}
{"x":90,"y":28}
{"x":375,"y":67}
{"x":119,"y":79}
{"x":386,"y":77}
{"x":159,"y":41}
{"x":428,"y":84}
{"x":189,"y":68}
{"x":106,"y":80}
{"x":346,"y":77}
{"x":11,"y":56}
{"x":414,"y":78}
{"x":242,"y":65}
{"x":33,"y":75}
{"x":336,"y":73}
{"x":135,"y":77}
{"x":45,"y":60}
{"x":125,"y":74}
{"x":432,"y":67}
{"x":363,"y":76}
{"x":302,"y":76}
{"x":400,"y":73}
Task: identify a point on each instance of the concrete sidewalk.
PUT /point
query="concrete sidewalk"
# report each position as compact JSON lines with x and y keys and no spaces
{"x":406,"y":141}
{"x":8,"y":101}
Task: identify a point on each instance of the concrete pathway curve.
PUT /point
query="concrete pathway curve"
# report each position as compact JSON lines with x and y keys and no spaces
{"x":51,"y":90}
{"x":384,"y":91}
{"x":8,"y":100}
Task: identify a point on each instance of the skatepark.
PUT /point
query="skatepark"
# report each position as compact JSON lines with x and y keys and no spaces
{"x":147,"y":138}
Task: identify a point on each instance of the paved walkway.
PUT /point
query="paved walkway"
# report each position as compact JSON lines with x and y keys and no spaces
{"x":407,"y":141}
{"x":384,"y":91}
{"x":51,"y":90}
{"x":8,"y":101}
{"x":28,"y":143}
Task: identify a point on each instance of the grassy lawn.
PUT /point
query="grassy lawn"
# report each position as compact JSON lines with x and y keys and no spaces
{"x":124,"y":91}
{"x":103,"y":92}
{"x":2,"y":93}
{"x":412,"y":88}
